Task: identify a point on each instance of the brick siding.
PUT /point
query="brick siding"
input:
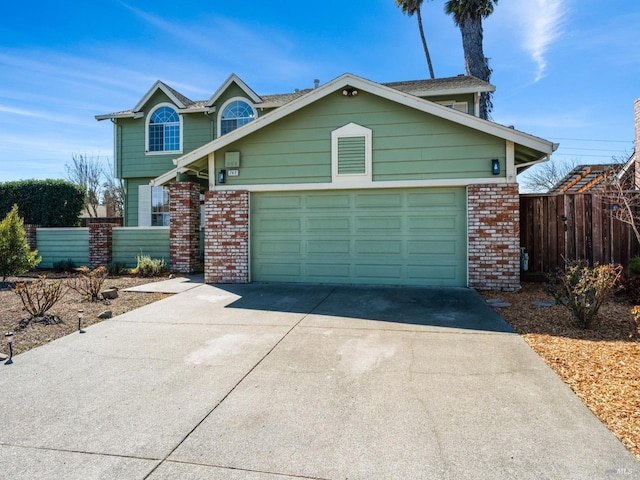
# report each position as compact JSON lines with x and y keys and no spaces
{"x":226,"y":238}
{"x":184,"y":227}
{"x":494,"y":237}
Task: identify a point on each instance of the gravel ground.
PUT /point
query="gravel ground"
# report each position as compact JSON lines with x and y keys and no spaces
{"x":601,"y":365}
{"x":63,"y":318}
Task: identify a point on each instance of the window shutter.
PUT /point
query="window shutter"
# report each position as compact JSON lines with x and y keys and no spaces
{"x":351,"y":155}
{"x":144,"y":205}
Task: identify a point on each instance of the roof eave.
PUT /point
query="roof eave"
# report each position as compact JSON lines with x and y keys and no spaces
{"x":544,"y":147}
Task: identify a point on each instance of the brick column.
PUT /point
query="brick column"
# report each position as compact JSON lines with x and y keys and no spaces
{"x":30,"y":235}
{"x":226,"y":240}
{"x":184,"y":227}
{"x":494,"y":237}
{"x":100,"y":241}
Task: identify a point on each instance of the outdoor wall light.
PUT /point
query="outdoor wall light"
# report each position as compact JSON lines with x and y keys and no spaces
{"x":80,"y":315}
{"x":9,"y":337}
{"x":495,"y":166}
{"x":349,"y":92}
{"x":222,"y":176}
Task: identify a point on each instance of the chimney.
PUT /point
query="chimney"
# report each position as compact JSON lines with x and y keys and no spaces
{"x":316,"y":84}
{"x":636,"y":155}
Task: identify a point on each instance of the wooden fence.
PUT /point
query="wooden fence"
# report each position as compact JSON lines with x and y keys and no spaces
{"x":572,"y":227}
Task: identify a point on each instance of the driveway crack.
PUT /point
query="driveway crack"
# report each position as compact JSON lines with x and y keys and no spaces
{"x":249,"y":372}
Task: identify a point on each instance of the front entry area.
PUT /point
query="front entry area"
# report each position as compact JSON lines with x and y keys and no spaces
{"x":414,"y":236}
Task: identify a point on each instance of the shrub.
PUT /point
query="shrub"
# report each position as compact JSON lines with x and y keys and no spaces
{"x":64,"y":266}
{"x":116,"y":268}
{"x":39,"y":296}
{"x":630,"y":288}
{"x":89,"y":282}
{"x":48,"y":203}
{"x":633,"y":268}
{"x":150,"y":267}
{"x":583,"y":289}
{"x":15,"y":255}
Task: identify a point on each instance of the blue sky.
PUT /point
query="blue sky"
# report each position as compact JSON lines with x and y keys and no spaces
{"x":564,"y":70}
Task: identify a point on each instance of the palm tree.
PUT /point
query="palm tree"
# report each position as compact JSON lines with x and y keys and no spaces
{"x":468,"y":15}
{"x":409,"y":7}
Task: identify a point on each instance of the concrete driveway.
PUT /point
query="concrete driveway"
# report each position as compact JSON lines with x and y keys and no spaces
{"x":275,"y":382}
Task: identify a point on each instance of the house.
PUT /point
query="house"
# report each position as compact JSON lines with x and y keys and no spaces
{"x":348,"y":182}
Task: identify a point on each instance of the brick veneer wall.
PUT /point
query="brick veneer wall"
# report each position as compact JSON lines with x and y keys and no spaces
{"x":226,"y":237}
{"x":184,"y":227}
{"x":494,"y":237}
{"x":100,"y":242}
{"x":30,"y":235}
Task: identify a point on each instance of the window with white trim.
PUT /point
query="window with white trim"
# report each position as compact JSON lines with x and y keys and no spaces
{"x":235,"y":113}
{"x":351,"y":153}
{"x":159,"y":207}
{"x":153,"y":206}
{"x":458,"y":106}
{"x":164,"y":130}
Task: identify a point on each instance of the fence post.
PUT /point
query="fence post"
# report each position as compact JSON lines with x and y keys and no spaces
{"x":184,"y":227}
{"x":100,"y":244}
{"x":30,"y":235}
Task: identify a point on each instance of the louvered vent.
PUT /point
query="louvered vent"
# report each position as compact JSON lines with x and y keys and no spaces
{"x":351,"y":155}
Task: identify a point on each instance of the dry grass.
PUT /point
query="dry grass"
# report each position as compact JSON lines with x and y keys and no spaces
{"x":601,"y":365}
{"x":63,"y":320}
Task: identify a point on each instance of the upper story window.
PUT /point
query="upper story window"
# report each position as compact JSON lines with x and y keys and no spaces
{"x":164,"y":130}
{"x":235,"y":113}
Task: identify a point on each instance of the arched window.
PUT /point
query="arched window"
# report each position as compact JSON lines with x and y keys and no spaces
{"x":164,"y":130}
{"x":234,"y":115}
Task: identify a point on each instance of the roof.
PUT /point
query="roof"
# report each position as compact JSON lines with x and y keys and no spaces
{"x":460,"y":84}
{"x":442,"y":86}
{"x":529,"y":149}
{"x":585,"y":178}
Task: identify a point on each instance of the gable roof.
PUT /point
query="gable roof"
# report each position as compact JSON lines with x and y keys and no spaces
{"x":535,"y":149}
{"x":460,"y":84}
{"x":176,"y":97}
{"x":233,"y":78}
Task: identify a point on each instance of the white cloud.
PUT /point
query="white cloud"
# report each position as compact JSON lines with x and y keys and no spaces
{"x":541,"y":24}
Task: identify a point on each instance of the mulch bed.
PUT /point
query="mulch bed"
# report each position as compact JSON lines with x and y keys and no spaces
{"x":62,"y":319}
{"x":601,"y":365}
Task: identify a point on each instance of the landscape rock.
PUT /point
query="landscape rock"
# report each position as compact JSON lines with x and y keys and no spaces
{"x":110,"y":294}
{"x":106,"y":314}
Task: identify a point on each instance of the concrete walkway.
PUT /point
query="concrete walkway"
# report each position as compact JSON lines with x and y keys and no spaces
{"x":276,"y":382}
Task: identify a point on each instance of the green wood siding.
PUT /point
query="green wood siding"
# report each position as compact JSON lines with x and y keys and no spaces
{"x":391,"y":236}
{"x":131,"y":200}
{"x":407,"y":144}
{"x":59,"y":244}
{"x":129,"y":243}
{"x":198,"y":129}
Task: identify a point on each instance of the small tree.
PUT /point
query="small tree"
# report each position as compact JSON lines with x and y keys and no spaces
{"x":15,"y":256}
{"x":87,"y":171}
{"x":583,"y":289}
{"x":543,"y":177}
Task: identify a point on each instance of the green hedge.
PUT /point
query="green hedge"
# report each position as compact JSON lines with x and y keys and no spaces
{"x":48,"y":203}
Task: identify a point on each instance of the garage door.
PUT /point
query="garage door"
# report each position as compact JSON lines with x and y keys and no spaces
{"x":395,"y":237}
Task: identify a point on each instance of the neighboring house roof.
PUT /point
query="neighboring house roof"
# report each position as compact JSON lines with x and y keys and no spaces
{"x":589,"y":178}
{"x":460,"y":84}
{"x":529,"y":149}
